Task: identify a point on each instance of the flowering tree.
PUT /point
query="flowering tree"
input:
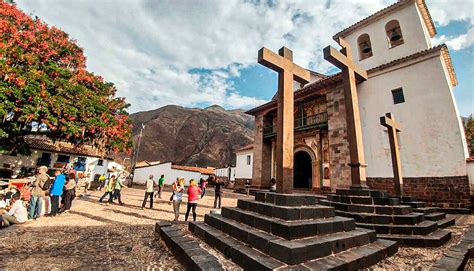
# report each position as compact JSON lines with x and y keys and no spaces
{"x":45,"y":88}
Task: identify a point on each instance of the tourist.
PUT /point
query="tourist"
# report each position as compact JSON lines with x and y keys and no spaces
{"x":218,"y":191}
{"x":118,"y":190}
{"x":161,"y":183}
{"x":17,"y":213}
{"x":247,"y":187}
{"x":69,"y":192}
{"x":149,"y":186}
{"x":109,"y":189}
{"x":273,"y":185}
{"x":56,"y":191}
{"x":38,"y":191}
{"x":193,"y":196}
{"x":174,"y":186}
{"x":177,"y":198}
{"x":202,"y":185}
{"x":101,"y":182}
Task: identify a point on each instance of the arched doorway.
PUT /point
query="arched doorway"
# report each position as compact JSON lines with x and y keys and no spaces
{"x":303,"y":170}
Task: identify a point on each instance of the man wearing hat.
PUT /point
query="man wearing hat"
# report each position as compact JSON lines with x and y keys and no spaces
{"x":37,"y":192}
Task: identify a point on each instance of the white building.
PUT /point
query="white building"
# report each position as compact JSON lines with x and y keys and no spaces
{"x":86,"y":161}
{"x":227,"y":173}
{"x":171,"y":172}
{"x":243,"y":164}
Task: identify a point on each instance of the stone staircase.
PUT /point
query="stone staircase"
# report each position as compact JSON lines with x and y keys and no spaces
{"x":408,"y":222}
{"x":288,"y":232}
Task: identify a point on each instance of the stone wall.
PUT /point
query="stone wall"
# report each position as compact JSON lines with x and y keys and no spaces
{"x":446,"y":192}
{"x":337,"y":134}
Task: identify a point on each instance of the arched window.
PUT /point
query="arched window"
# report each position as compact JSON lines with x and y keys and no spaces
{"x":365,"y":47}
{"x":394,"y":33}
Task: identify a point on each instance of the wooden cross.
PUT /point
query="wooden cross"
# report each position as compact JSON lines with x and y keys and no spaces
{"x":287,"y":73}
{"x":351,"y":72}
{"x":393,"y":127}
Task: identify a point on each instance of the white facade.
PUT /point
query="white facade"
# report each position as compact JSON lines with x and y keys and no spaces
{"x":94,"y":165}
{"x":228,"y":172}
{"x":244,"y":164}
{"x":141,"y":174}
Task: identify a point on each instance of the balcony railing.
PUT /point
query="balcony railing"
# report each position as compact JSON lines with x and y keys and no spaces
{"x":308,"y":122}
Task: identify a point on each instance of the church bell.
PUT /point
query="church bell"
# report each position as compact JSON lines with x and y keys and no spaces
{"x":394,"y":36}
{"x":366,"y":48}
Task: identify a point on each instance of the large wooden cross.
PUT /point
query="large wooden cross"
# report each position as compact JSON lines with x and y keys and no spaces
{"x":393,"y":127}
{"x":287,"y":73}
{"x":351,"y":72}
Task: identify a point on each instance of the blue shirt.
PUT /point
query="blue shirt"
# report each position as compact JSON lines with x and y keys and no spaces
{"x":58,"y":185}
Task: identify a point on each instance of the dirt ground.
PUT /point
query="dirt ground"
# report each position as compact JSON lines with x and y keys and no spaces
{"x":100,"y":236}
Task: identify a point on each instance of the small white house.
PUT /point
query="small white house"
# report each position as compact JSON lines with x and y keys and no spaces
{"x":89,"y":162}
{"x":244,"y":164}
{"x":171,"y":172}
{"x":227,"y":173}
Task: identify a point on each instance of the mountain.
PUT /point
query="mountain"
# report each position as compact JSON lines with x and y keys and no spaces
{"x":192,"y":136}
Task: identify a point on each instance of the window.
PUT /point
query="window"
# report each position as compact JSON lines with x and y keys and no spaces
{"x":365,"y":47}
{"x":100,"y":162}
{"x":63,"y":159}
{"x":80,"y":164}
{"x":248,"y":159}
{"x":394,"y":33}
{"x":398,"y":96}
{"x":44,"y":160}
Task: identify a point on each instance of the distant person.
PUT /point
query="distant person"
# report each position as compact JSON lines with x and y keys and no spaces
{"x":56,"y":191}
{"x":178,"y":198}
{"x":273,"y":185}
{"x":69,"y":192}
{"x":247,"y":187}
{"x":118,"y":190}
{"x":175,"y":184}
{"x":109,"y":190}
{"x":161,"y":183}
{"x":202,"y":185}
{"x":193,"y":196}
{"x":101,"y":182}
{"x":38,"y":191}
{"x":149,"y":188}
{"x":17,"y":213}
{"x":218,"y":191}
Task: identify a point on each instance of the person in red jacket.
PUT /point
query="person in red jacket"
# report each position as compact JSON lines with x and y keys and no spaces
{"x":193,"y":196}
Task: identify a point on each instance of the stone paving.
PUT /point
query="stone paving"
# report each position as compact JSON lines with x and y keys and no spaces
{"x":103,"y":236}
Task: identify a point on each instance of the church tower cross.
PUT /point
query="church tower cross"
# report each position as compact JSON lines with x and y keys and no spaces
{"x":351,"y":72}
{"x":393,"y":127}
{"x":287,"y":73}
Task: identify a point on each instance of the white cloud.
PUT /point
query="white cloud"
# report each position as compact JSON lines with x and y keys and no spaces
{"x":150,"y":49}
{"x":457,"y":43}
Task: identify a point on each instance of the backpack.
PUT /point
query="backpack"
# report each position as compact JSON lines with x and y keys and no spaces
{"x":47,"y":185}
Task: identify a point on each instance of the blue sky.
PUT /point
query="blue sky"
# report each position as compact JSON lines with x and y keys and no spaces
{"x":199,"y":53}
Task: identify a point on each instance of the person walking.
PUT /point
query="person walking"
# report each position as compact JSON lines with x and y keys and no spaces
{"x":149,"y":186}
{"x":69,"y":192}
{"x":38,"y":191}
{"x":161,"y":183}
{"x":193,"y":196}
{"x":218,"y":191}
{"x":56,"y":191}
{"x":109,"y":190}
{"x":118,"y":190}
{"x":177,"y":197}
{"x":247,"y":187}
{"x":202,"y":185}
{"x":101,"y":182}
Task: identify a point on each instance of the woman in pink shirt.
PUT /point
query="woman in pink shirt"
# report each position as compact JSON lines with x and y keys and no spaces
{"x":193,"y":196}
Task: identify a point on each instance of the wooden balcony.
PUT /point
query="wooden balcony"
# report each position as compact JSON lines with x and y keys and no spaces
{"x":318,"y":121}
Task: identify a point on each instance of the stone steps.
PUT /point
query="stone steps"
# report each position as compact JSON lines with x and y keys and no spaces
{"x":426,"y":210}
{"x":434,"y":239}
{"x":366,"y":208}
{"x":286,"y":212}
{"x":289,"y":229}
{"x":362,"y":192}
{"x":423,"y":228}
{"x":294,"y":251}
{"x":288,"y":200}
{"x":410,"y":219}
{"x":367,"y":200}
{"x":414,"y":204}
{"x":435,"y":216}
{"x":354,"y":259}
{"x":243,"y":255}
{"x":447,"y":222}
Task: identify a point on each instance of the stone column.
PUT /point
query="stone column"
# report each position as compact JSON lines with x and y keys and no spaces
{"x":262,"y":156}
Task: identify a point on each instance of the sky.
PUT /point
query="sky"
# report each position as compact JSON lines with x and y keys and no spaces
{"x":200,"y":53}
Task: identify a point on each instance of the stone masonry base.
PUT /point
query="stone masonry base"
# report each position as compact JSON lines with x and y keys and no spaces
{"x":445,"y":192}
